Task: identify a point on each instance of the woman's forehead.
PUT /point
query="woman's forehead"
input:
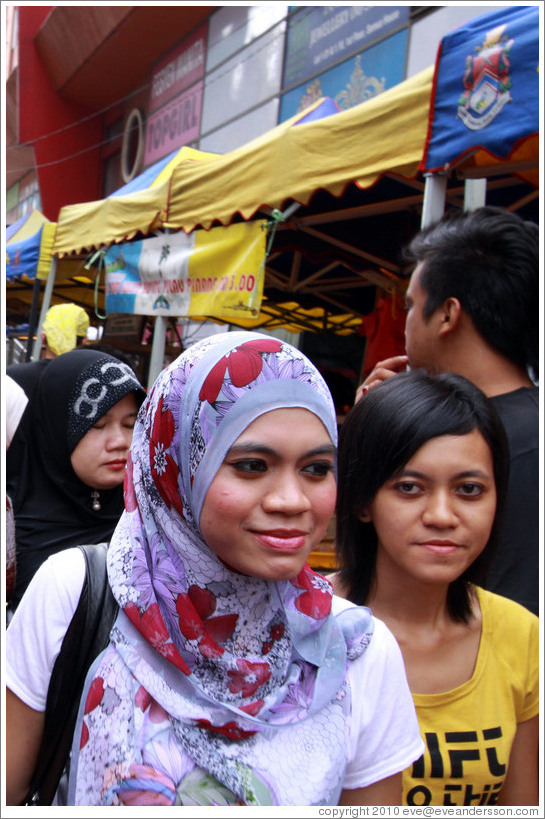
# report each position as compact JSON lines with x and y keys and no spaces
{"x":285,"y":422}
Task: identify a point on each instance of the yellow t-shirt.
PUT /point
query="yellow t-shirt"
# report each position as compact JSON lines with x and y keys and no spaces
{"x":469,"y":730}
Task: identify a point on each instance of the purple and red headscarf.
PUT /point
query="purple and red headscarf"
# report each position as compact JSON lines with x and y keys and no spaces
{"x":217,"y":688}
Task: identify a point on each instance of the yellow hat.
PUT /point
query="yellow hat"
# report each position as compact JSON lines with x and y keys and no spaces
{"x":62,"y":324}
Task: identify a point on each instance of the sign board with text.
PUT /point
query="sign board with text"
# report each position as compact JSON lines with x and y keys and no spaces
{"x":181,"y":67}
{"x":319,"y":36}
{"x":218,"y":273}
{"x":175,"y":124}
{"x":353,"y":81}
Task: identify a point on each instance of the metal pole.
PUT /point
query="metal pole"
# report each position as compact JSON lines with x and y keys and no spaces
{"x":46,"y":301}
{"x":157,"y":349}
{"x":32,"y":316}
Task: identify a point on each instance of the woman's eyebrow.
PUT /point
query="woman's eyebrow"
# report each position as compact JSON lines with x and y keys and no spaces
{"x":264,"y":449}
{"x":132,"y":414}
{"x":466,"y":473}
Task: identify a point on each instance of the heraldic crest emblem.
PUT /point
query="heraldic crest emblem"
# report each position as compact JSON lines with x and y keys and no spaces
{"x":486,"y":80}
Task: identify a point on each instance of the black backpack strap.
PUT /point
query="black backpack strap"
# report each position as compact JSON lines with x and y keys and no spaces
{"x":87,"y":635}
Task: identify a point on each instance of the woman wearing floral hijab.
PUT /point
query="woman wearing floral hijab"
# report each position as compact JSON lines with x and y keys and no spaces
{"x":233,"y":675}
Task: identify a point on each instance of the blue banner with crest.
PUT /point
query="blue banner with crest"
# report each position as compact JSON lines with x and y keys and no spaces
{"x":486,"y":92}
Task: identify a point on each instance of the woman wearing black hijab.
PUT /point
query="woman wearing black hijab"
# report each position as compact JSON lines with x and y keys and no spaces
{"x":73,"y":442}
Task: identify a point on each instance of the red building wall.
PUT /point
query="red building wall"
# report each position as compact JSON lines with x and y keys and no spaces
{"x":66,"y":136}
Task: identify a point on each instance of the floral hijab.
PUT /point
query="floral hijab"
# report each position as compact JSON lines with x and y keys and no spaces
{"x":216,"y":688}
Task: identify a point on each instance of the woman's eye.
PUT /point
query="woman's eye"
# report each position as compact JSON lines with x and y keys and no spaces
{"x":408,"y":488}
{"x":318,"y":469}
{"x":250,"y":466}
{"x":471,"y":490}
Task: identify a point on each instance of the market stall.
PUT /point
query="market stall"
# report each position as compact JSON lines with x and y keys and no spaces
{"x":285,"y":168}
{"x":29,"y":256}
{"x":344,"y":192}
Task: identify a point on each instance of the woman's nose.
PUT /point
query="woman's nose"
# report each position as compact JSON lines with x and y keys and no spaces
{"x":119,"y":438}
{"x":440,"y":510}
{"x":286,"y":495}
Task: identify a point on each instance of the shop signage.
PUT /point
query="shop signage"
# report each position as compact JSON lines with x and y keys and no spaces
{"x":355,"y":80}
{"x":176,"y":124}
{"x":179,"y":69}
{"x":217,"y":273}
{"x":320,"y":36}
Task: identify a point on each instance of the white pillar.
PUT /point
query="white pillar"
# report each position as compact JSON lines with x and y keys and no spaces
{"x":474,"y":194}
{"x":157,"y":349}
{"x":46,"y":301}
{"x":435,"y":190}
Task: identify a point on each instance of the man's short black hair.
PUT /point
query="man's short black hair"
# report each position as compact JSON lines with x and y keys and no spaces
{"x":488,"y":260}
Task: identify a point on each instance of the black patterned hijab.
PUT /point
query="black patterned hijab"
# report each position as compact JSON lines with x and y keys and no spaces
{"x":53,"y":508}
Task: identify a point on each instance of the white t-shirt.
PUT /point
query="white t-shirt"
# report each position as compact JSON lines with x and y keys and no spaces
{"x":16,"y":401}
{"x":384,"y":733}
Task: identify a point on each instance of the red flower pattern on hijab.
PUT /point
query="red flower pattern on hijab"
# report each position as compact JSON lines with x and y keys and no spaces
{"x":144,"y":700}
{"x":94,"y":698}
{"x":317,"y":598}
{"x":163,"y":466}
{"x":244,"y":364}
{"x":150,"y":624}
{"x":230,"y":729}
{"x":196,"y":622}
{"x":128,"y":487}
{"x":247,"y":677}
{"x":276,"y":633}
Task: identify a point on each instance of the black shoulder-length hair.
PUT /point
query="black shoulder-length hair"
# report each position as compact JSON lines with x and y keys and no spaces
{"x":380,"y":434}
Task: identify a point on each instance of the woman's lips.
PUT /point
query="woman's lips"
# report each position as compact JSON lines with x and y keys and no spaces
{"x":116,"y":465}
{"x":441,"y":547}
{"x":288,"y":541}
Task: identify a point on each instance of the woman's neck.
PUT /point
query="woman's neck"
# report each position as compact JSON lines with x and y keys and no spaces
{"x":405,"y":604}
{"x":439,"y":652}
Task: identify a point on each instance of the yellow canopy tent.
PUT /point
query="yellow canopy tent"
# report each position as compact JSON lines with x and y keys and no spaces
{"x":138,"y":207}
{"x":384,"y":135}
{"x":286,"y":167}
{"x":289,"y":163}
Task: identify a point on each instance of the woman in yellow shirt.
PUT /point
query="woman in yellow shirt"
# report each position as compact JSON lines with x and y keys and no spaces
{"x":421,"y":481}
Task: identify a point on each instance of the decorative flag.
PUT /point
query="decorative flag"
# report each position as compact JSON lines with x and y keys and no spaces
{"x":486,"y":92}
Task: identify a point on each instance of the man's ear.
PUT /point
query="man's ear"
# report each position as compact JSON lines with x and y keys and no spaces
{"x":450,"y":315}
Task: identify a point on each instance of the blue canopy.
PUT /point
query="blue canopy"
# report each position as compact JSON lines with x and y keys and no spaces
{"x":28,"y":246}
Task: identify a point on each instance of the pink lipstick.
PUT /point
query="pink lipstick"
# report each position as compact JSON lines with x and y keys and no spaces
{"x":283,"y":540}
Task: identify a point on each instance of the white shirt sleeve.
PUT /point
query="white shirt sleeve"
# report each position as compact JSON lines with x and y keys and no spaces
{"x":16,"y":402}
{"x":39,"y":624}
{"x":384,"y":733}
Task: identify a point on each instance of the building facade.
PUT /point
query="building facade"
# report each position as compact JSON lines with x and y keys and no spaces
{"x":95,"y":94}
